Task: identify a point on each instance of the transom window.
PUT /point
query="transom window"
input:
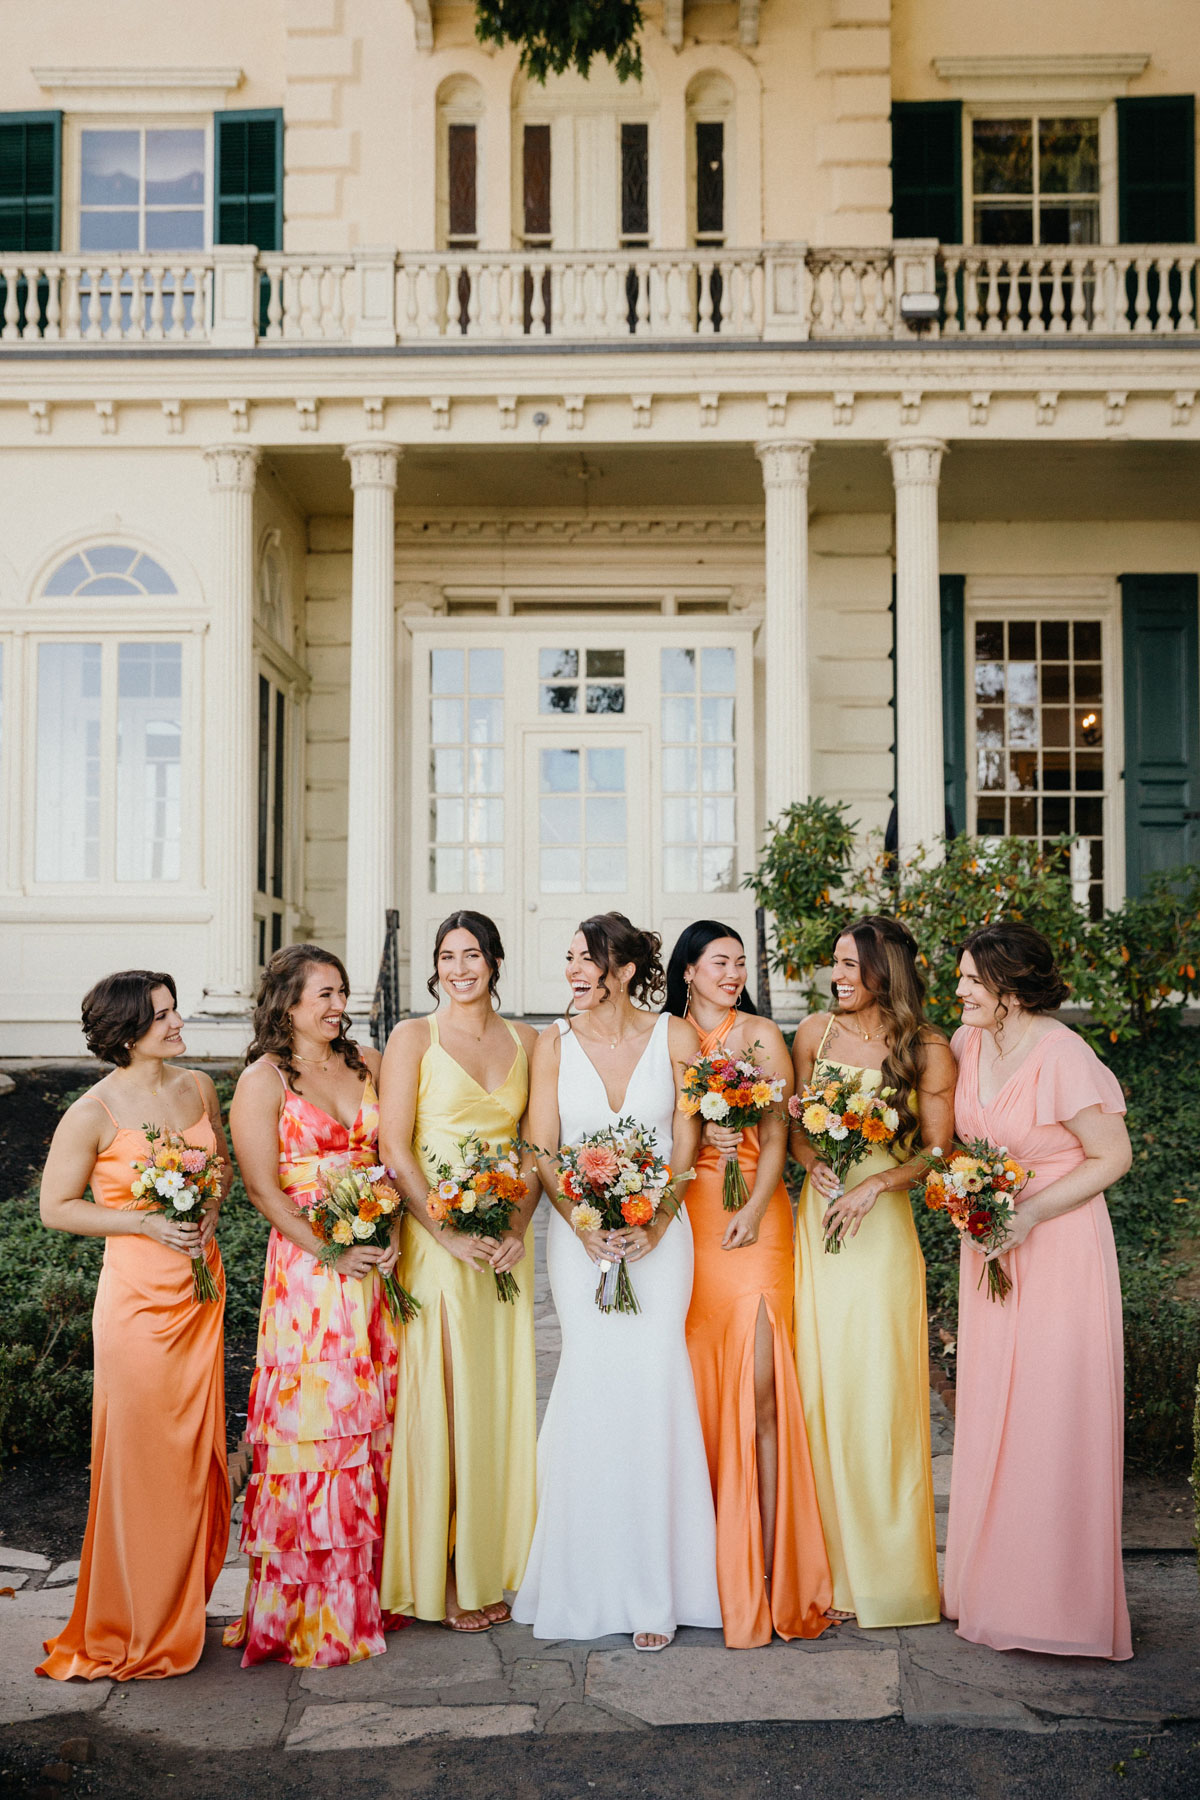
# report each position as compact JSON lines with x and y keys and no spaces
{"x":1036,"y":180}
{"x":582,"y":820}
{"x":107,"y":570}
{"x":466,"y":772}
{"x":109,"y":762}
{"x":699,"y":805}
{"x":142,"y":189}
{"x":1039,"y":738}
{"x":575,"y":681}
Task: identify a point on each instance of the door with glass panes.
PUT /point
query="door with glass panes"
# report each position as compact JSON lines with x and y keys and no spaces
{"x":573,"y":766}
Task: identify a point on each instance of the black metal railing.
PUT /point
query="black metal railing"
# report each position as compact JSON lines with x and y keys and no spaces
{"x":385,"y":1008}
{"x":764,"y":962}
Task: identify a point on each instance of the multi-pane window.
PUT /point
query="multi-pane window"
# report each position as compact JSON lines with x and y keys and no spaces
{"x":535,"y":178}
{"x":635,"y":184}
{"x":466,"y":771}
{"x":1039,"y":738}
{"x":577,"y":681}
{"x":142,"y":189}
{"x":583,"y":820}
{"x":1036,"y":180}
{"x":698,"y":803}
{"x":109,"y":736}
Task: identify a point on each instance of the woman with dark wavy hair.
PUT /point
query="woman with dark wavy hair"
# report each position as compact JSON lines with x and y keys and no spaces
{"x":862,"y":1346}
{"x":772,"y":1569}
{"x":625,"y":1538}
{"x":319,"y":1401}
{"x":1033,"y":1546}
{"x":461,"y":1500}
{"x":158,"y":1510}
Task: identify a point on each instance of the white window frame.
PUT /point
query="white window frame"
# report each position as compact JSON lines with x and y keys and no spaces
{"x":110,"y":638}
{"x":75,"y":124}
{"x":1052,"y":597}
{"x":1103,"y":110}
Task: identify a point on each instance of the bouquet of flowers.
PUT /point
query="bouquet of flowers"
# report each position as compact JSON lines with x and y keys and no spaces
{"x":358,"y":1206}
{"x":976,"y":1187}
{"x":843,"y":1121}
{"x":478,"y":1194}
{"x":736,"y":1093}
{"x":615,"y":1177}
{"x":180,"y":1179}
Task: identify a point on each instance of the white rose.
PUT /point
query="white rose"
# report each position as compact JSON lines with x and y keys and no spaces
{"x":362,"y":1228}
{"x":633,"y":1183}
{"x":715,"y":1107}
{"x":891,"y":1118}
{"x":185,"y":1199}
{"x":467,"y":1203}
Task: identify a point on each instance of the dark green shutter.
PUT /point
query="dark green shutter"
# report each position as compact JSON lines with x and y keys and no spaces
{"x":30,"y":181}
{"x":927,"y":170}
{"x":954,"y":699}
{"x":1162,"y":724}
{"x":1156,"y":169}
{"x":249,"y":179}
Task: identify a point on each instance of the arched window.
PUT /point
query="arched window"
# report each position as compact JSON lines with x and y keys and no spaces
{"x":460,"y":129}
{"x":710,"y":117}
{"x":107,"y":570}
{"x":110,"y":731}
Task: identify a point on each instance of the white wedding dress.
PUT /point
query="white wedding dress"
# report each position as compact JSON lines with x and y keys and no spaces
{"x":625,"y":1539}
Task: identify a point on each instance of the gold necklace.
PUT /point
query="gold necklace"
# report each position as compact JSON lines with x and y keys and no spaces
{"x":315,"y":1061}
{"x":864,"y":1037}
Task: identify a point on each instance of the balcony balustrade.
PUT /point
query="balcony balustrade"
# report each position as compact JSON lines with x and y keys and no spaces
{"x":234,"y":297}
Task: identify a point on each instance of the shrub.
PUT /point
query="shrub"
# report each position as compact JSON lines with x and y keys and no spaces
{"x":800,"y":880}
{"x":1156,"y":938}
{"x":1162,"y":1353}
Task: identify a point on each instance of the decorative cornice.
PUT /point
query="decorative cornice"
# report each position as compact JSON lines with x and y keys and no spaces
{"x":224,"y":76}
{"x":595,"y":527}
{"x":1099,"y":75}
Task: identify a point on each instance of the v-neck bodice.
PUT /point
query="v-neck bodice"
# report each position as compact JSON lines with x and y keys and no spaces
{"x":452,"y":1105}
{"x":583,"y":1104}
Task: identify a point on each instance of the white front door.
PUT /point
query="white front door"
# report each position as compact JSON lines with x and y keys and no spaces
{"x":587,"y":843}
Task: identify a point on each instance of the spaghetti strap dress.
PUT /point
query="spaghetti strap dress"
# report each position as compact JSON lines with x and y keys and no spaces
{"x":319,"y":1426}
{"x":862,"y":1353}
{"x":1033,"y":1541}
{"x":728,"y":1289}
{"x":158,"y":1510}
{"x":489,"y":1527}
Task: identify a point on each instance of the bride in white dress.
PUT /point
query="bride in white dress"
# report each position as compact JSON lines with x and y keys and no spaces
{"x":625,"y":1538}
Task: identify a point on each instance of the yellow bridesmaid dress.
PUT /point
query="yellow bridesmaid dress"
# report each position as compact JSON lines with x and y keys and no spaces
{"x":862,"y":1354}
{"x":491,"y":1349}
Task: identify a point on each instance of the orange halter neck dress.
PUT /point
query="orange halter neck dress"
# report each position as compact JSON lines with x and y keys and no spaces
{"x":728,"y":1289}
{"x":158,"y":1512}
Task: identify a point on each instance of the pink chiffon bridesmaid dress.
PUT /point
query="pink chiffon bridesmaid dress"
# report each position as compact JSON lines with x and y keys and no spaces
{"x":1033,"y":1546}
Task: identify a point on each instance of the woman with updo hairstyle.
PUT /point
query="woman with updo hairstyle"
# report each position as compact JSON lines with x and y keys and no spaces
{"x":462,"y":1492}
{"x":862,"y":1344}
{"x":772,"y":1569}
{"x":1033,"y":1545}
{"x":625,"y":1539}
{"x":158,"y":1508}
{"x":325,"y":1371}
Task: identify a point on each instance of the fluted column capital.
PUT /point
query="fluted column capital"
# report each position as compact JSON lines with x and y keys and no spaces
{"x":784,"y":461}
{"x":232,"y":467}
{"x":916,"y":461}
{"x":373,"y":465}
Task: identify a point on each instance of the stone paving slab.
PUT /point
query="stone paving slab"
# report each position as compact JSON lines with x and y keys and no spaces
{"x":21,"y":1559}
{"x":65,"y":1572}
{"x":24,"y":1695}
{"x":219,"y":1702}
{"x":354,"y":1726}
{"x":12,"y":1579}
{"x":229,"y":1593}
{"x":716,"y":1687}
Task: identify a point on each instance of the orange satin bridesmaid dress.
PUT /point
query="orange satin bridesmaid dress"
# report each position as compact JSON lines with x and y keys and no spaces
{"x":728,"y":1288}
{"x":158,"y":1513}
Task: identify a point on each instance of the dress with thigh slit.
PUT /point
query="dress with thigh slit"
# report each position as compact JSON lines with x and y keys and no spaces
{"x":728,"y":1289}
{"x":490,"y":1524}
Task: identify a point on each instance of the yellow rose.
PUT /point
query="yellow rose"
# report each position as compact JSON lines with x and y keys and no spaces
{"x":342,"y":1233}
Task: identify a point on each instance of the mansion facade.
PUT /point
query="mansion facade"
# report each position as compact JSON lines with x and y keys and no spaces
{"x":426,"y":489}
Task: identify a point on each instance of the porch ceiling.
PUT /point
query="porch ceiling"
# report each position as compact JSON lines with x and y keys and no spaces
{"x":985,"y":481}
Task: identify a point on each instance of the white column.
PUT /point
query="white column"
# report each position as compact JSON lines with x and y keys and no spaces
{"x":372,"y":800}
{"x":920,"y":775}
{"x":229,"y":751}
{"x":788,"y":773}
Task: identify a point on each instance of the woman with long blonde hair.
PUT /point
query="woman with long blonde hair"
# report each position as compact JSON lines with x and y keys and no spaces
{"x":862,"y":1348}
